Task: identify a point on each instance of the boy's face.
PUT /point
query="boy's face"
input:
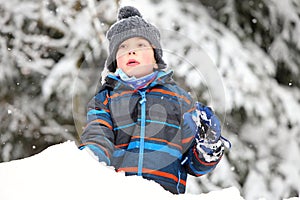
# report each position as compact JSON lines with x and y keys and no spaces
{"x":135,"y":57}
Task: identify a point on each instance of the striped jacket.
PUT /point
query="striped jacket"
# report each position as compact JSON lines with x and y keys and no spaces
{"x":142,"y":132}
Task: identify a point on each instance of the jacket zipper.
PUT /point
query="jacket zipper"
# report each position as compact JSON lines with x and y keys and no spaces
{"x":142,"y":133}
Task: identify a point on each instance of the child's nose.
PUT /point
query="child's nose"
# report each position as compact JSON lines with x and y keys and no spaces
{"x":132,"y":51}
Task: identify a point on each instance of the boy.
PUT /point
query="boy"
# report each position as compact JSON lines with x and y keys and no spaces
{"x":140,"y":121}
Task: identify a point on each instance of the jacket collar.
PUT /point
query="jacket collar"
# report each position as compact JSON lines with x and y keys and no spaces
{"x":114,"y":82}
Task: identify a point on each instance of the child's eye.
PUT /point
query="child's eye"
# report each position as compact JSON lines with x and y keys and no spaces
{"x":122,"y":46}
{"x":142,"y":45}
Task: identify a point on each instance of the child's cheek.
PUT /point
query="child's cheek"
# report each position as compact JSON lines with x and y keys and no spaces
{"x":148,"y":57}
{"x":121,"y":61}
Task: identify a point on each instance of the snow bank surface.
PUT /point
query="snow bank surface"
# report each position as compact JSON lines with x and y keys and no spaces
{"x":64,"y":172}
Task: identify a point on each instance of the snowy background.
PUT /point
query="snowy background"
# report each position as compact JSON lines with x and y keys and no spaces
{"x":240,"y":57}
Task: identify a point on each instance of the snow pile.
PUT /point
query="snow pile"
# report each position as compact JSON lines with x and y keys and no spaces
{"x":64,"y":172}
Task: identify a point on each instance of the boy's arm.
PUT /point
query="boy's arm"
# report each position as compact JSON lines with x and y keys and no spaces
{"x":98,"y":134}
{"x":207,"y":147}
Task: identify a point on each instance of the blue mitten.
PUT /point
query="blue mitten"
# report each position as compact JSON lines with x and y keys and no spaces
{"x":207,"y":129}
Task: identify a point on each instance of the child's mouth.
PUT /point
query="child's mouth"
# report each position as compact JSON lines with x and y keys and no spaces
{"x":132,"y":62}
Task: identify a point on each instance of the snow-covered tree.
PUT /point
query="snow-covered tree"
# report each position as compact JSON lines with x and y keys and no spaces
{"x":43,"y":46}
{"x":270,"y":122}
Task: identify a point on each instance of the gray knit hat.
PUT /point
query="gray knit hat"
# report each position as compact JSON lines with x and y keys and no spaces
{"x":131,"y":24}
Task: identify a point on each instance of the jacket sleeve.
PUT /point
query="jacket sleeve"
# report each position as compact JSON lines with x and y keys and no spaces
{"x":98,"y":134}
{"x":193,"y":162}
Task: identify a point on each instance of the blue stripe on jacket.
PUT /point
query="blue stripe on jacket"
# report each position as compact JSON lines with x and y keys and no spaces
{"x":96,"y":112}
{"x":148,"y":121}
{"x":156,"y":147}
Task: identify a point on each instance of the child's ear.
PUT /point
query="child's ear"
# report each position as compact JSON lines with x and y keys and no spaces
{"x":155,"y":66}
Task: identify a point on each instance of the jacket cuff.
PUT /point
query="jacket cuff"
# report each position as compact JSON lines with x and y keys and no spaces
{"x":97,"y":152}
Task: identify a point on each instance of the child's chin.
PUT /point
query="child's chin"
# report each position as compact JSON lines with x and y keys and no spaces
{"x":135,"y":74}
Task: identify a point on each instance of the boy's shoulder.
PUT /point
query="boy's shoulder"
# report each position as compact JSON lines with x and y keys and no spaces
{"x":173,"y":86}
{"x":109,"y":84}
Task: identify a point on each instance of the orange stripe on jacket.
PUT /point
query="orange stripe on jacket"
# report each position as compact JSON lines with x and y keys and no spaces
{"x":122,"y":145}
{"x":106,"y":100}
{"x":154,"y":172}
{"x":101,"y":147}
{"x":187,"y":140}
{"x":192,"y":109}
{"x":172,"y":94}
{"x":121,"y":94}
{"x":101,"y":122}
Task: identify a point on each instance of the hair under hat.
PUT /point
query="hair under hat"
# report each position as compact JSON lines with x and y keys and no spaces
{"x":131,"y":24}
